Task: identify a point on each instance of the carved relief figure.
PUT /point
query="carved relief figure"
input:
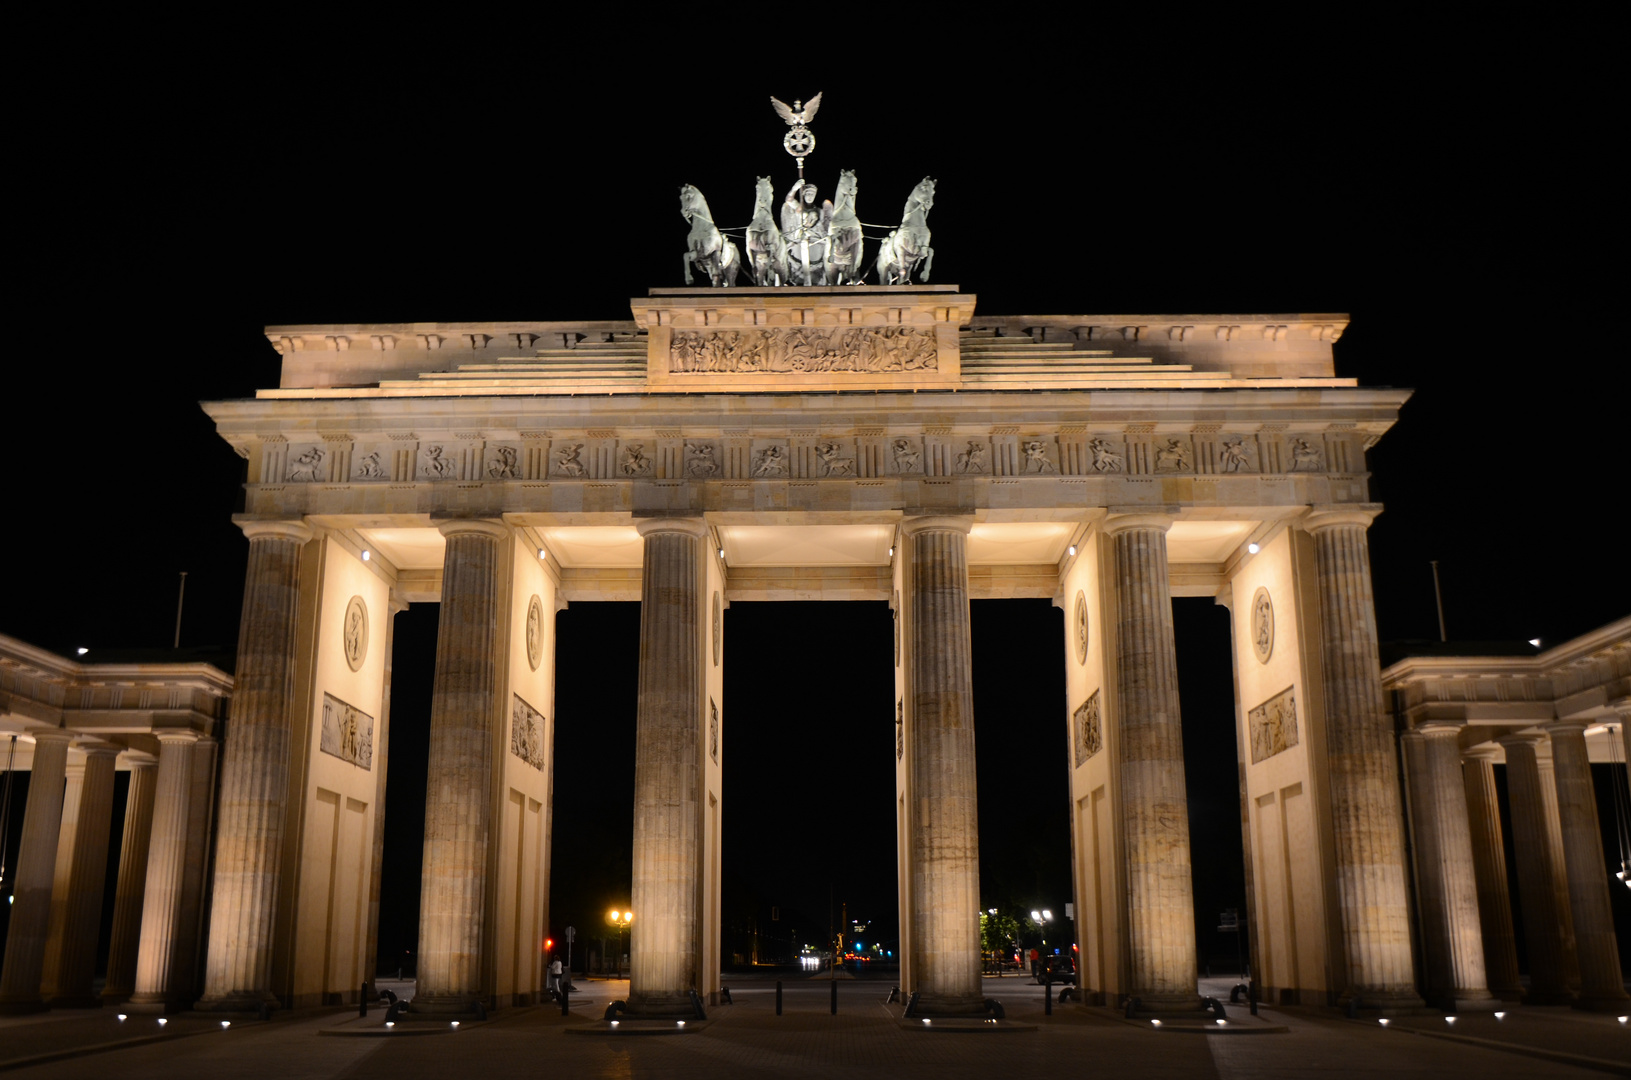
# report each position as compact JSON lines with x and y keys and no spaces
{"x":713,"y":730}
{"x":354,"y":632}
{"x":1273,"y":725}
{"x":527,"y":733}
{"x":635,"y":462}
{"x":567,"y":460}
{"x":535,"y":632}
{"x":832,"y":463}
{"x":305,"y":466}
{"x":1262,"y":625}
{"x":907,"y":456}
{"x":1036,"y":457}
{"x":1305,"y":456}
{"x":348,"y":733}
{"x":1105,"y":458}
{"x":1089,"y":738}
{"x":368,"y":467}
{"x":699,"y":459}
{"x":972,"y":459}
{"x":1173,"y":457}
{"x":862,"y":349}
{"x":503,"y":466}
{"x":771,"y":461}
{"x":1232,"y":455}
{"x":436,"y":464}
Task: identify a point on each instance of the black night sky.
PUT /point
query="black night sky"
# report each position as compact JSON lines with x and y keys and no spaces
{"x":348,"y":173}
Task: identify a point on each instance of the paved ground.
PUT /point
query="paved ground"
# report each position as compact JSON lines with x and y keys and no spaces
{"x":865,"y":1039}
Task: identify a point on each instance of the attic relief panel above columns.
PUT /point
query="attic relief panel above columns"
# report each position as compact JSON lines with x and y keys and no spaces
{"x":798,"y":349}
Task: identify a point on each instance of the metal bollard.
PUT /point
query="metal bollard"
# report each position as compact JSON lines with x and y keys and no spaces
{"x":566,"y":1000}
{"x":834,"y":985}
{"x":362,"y":1001}
{"x":1047,"y":996}
{"x":778,"y":997}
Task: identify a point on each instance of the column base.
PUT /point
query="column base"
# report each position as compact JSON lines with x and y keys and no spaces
{"x":116,"y":996}
{"x":74,"y":1001}
{"x":153,"y":1003}
{"x":1146,"y":1006}
{"x":932,"y":1004}
{"x":1384,"y":1002}
{"x":21,"y":1006}
{"x":1548,"y":997}
{"x":661,"y":1007}
{"x":1604,"y":1003}
{"x":447,"y":1005}
{"x":1472,"y":1003}
{"x":239,"y":1001}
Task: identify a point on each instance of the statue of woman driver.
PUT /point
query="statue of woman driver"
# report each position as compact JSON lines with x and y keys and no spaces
{"x":804,"y":223}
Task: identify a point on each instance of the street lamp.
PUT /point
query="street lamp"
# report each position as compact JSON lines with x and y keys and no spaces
{"x":621,"y":920}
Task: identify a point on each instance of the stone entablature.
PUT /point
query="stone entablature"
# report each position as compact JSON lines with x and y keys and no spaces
{"x":119,"y":703}
{"x":765,"y":340}
{"x":836,"y":452}
{"x":1587,"y":679}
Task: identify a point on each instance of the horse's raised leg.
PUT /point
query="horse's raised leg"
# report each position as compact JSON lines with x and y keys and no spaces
{"x":688,"y":268}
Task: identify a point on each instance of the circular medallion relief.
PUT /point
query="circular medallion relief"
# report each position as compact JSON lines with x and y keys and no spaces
{"x":1081,"y":627}
{"x":535,"y":631}
{"x":1262,"y":625}
{"x":354,"y":632}
{"x":719,"y":626}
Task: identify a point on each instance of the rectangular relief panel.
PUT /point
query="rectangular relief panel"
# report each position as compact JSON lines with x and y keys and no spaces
{"x":348,"y":732}
{"x":527,"y":732}
{"x":1273,"y":725}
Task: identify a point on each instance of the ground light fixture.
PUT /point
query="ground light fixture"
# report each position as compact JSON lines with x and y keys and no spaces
{"x":1383,"y":1021}
{"x":1155,"y":1023}
{"x":122,"y":1017}
{"x":162,"y":1021}
{"x":1623,"y":1019}
{"x":454,"y":1024}
{"x":225,"y":1024}
{"x":1450,"y":1020}
{"x":390,"y":1023}
{"x":1502,"y":1016}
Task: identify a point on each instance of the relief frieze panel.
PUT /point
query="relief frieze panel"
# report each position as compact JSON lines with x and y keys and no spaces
{"x":527,"y":733}
{"x":1087,"y":734}
{"x":1273,"y":725}
{"x":803,"y":350}
{"x":348,"y":733}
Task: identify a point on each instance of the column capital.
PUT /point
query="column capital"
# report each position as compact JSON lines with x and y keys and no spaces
{"x":958,"y":523}
{"x":1484,"y":751}
{"x":256,"y":529}
{"x":688,"y":526}
{"x":1115,"y":523}
{"x":139,"y":759}
{"x":1327,"y":517}
{"x":98,"y":749}
{"x":1567,"y":727}
{"x":1441,"y":727}
{"x":175,"y":735}
{"x":1534,"y":739}
{"x":465,"y":526}
{"x":51,"y":735}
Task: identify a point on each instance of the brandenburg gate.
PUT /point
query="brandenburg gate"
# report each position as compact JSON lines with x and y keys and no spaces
{"x":807,"y":443}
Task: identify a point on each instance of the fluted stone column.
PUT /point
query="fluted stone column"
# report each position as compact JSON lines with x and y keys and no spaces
{"x":382,"y":746}
{"x":82,"y":869}
{"x":1596,"y":947}
{"x":125,"y":941}
{"x":184,"y":965}
{"x":945,"y":841}
{"x":1447,"y":882}
{"x":1543,"y":893}
{"x":166,"y":871}
{"x":1489,"y":865}
{"x":459,"y":798}
{"x":1363,"y":774}
{"x":667,"y":756}
{"x":36,"y":870}
{"x":1154,"y":805}
{"x":255,"y":773}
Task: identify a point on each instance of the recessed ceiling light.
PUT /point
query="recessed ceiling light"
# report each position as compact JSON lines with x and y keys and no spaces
{"x":891,"y":552}
{"x":366,"y":555}
{"x":721,"y":553}
{"x":1073,"y":549}
{"x":1252,"y":548}
{"x":542,"y":554}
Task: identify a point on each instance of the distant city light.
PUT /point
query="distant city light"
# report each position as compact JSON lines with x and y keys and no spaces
{"x":1535,"y":641}
{"x":82,"y":650}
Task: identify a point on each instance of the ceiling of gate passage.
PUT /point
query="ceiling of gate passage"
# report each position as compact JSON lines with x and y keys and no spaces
{"x":989,"y":544}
